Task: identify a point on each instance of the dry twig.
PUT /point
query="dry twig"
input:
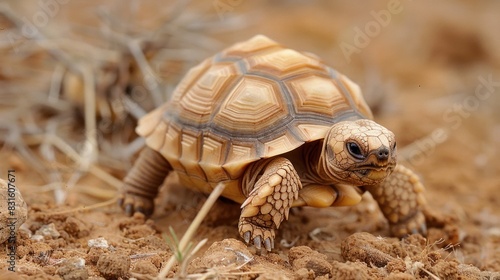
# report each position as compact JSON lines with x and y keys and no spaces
{"x":217,"y":191}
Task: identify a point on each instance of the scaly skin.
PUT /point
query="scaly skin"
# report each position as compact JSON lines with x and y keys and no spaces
{"x":142,"y":182}
{"x":269,"y":200}
{"x":400,"y":198}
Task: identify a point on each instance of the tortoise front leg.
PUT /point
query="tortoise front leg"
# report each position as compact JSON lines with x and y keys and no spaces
{"x":274,"y":185}
{"x":401,"y":200}
{"x":142,"y":182}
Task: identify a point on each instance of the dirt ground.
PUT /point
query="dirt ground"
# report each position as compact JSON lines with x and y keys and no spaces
{"x":429,"y":70}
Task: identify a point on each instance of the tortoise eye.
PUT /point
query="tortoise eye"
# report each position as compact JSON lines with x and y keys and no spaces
{"x":354,"y":150}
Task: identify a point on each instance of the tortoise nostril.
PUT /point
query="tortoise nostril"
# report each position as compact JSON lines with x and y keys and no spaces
{"x":382,"y":153}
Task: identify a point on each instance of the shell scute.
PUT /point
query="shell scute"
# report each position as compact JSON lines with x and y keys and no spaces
{"x":240,"y":154}
{"x":190,"y":79}
{"x":191,"y":152}
{"x":282,"y":63}
{"x":171,"y":149}
{"x":254,"y":45}
{"x":318,"y":95}
{"x":197,"y":103}
{"x":213,"y":155}
{"x":254,"y":104}
{"x":281,"y":144}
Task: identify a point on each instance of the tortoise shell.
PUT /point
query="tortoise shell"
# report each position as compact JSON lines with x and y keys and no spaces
{"x":254,"y":100}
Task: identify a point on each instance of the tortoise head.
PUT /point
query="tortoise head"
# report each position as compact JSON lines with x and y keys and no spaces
{"x":360,"y":152}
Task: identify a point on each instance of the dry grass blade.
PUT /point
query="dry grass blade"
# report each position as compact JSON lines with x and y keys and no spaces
{"x":227,"y":272}
{"x":90,"y":152}
{"x":55,"y":84}
{"x":133,"y":108}
{"x":430,"y":274}
{"x":48,"y":153}
{"x":183,"y":243}
{"x":73,"y":155}
{"x":190,"y":254}
{"x":148,"y":73}
{"x":29,"y":157}
{"x":85,"y":208}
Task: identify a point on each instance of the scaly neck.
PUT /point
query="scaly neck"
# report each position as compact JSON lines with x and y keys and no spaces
{"x":317,"y":166}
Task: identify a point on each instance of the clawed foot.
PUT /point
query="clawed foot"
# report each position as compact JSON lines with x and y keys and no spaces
{"x":412,"y":225}
{"x":269,"y":200}
{"x":258,"y":234}
{"x":132,"y":203}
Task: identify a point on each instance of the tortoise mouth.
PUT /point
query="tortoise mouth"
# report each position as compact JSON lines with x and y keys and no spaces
{"x":371,"y":166}
{"x":374,"y":171}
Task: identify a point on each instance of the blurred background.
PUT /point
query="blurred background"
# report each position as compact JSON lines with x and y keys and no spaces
{"x":76,"y":75}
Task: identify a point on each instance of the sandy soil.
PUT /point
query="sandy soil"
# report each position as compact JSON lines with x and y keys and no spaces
{"x":430,"y":71}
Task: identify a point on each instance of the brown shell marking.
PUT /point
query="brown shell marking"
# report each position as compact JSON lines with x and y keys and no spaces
{"x":256,"y":99}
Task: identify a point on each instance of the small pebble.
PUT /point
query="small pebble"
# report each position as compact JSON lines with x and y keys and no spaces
{"x":37,"y":237}
{"x":73,"y":269}
{"x":48,"y":231}
{"x":98,"y":243}
{"x":79,"y":263}
{"x":10,"y":221}
{"x":114,"y":266}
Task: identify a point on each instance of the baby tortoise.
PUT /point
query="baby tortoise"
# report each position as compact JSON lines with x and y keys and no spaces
{"x":281,"y":130}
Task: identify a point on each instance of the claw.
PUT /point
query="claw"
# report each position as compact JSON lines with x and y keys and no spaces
{"x":120,"y":201}
{"x":272,"y":243}
{"x":258,"y":242}
{"x":246,"y":237}
{"x":268,"y":244}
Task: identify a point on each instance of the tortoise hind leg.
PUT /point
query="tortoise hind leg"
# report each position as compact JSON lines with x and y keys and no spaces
{"x":142,"y":182}
{"x":400,"y":197}
{"x":269,"y":201}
